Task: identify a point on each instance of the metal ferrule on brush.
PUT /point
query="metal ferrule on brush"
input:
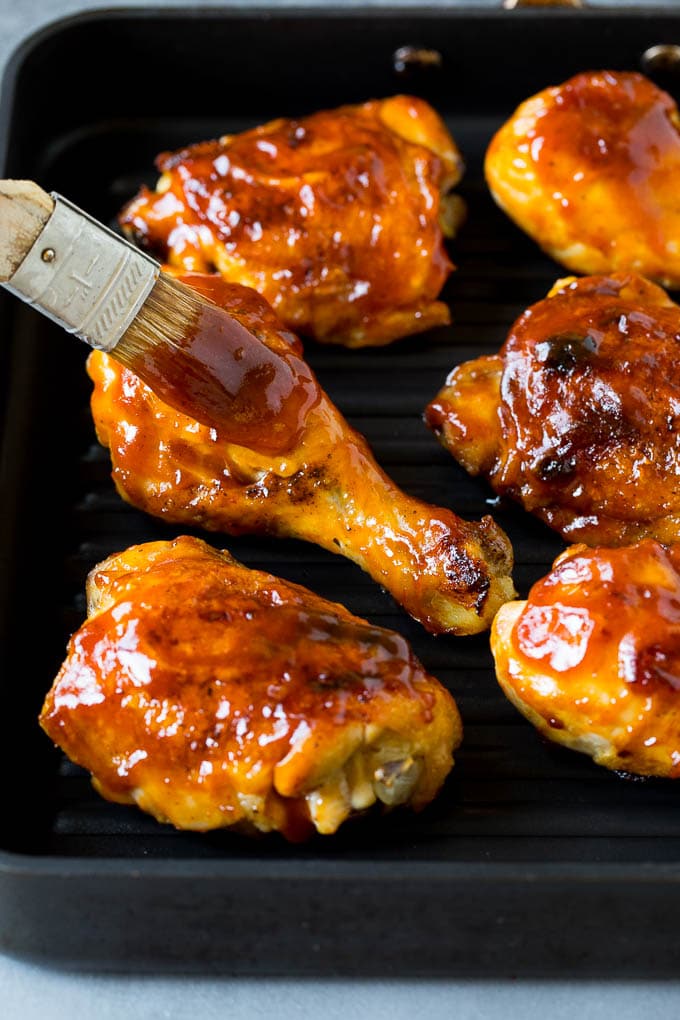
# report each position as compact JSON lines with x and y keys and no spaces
{"x":85,"y":277}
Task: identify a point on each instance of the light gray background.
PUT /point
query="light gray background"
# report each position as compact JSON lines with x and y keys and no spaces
{"x":28,"y":992}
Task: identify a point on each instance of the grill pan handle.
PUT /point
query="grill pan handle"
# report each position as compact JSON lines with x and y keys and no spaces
{"x":510,"y":5}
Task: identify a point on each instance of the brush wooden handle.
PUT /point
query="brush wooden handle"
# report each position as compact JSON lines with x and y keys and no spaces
{"x":24,"y":210}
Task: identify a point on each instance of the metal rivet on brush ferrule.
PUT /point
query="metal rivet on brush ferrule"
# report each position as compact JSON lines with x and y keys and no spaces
{"x":84,"y":277}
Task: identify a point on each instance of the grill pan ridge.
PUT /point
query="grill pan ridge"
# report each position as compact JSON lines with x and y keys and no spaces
{"x":532,"y":860}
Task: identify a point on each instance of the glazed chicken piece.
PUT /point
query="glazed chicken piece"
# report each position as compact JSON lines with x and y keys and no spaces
{"x":578,"y":417}
{"x":212,"y":695}
{"x":337,"y":219}
{"x":449,"y":574}
{"x":589,"y":169}
{"x":592,"y":658}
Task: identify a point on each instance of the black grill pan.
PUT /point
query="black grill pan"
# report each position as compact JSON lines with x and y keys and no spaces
{"x":533,"y":860}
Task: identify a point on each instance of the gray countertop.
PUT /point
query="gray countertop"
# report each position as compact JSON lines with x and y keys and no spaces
{"x":28,"y":991}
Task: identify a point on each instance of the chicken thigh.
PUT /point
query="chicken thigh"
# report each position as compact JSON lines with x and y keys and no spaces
{"x":337,"y":219}
{"x":592,"y":658}
{"x":578,"y":417}
{"x":449,"y":574}
{"x":589,"y":169}
{"x":212,"y":695}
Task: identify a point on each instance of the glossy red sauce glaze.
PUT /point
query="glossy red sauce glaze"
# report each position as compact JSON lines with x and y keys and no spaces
{"x":590,"y":401}
{"x":619,"y":607}
{"x":589,"y":169}
{"x":332,"y":217}
{"x":616,"y":125}
{"x":592,"y":657}
{"x":578,"y":416}
{"x":198,"y":673}
{"x":222,"y":372}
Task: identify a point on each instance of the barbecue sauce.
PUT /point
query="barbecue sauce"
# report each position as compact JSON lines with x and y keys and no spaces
{"x":223,"y":374}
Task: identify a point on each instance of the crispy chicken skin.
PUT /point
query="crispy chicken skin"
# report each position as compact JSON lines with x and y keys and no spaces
{"x":589,"y":169}
{"x":212,"y":695}
{"x":337,"y":219}
{"x":592,"y":658}
{"x":578,"y":416}
{"x":449,"y":574}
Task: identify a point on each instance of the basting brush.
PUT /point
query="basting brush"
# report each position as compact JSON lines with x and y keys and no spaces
{"x":197,"y":357}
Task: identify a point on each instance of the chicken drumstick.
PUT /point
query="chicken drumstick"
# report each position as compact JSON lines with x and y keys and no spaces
{"x":450,"y":574}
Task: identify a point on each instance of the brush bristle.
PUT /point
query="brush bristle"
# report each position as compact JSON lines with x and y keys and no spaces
{"x":168,"y":315}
